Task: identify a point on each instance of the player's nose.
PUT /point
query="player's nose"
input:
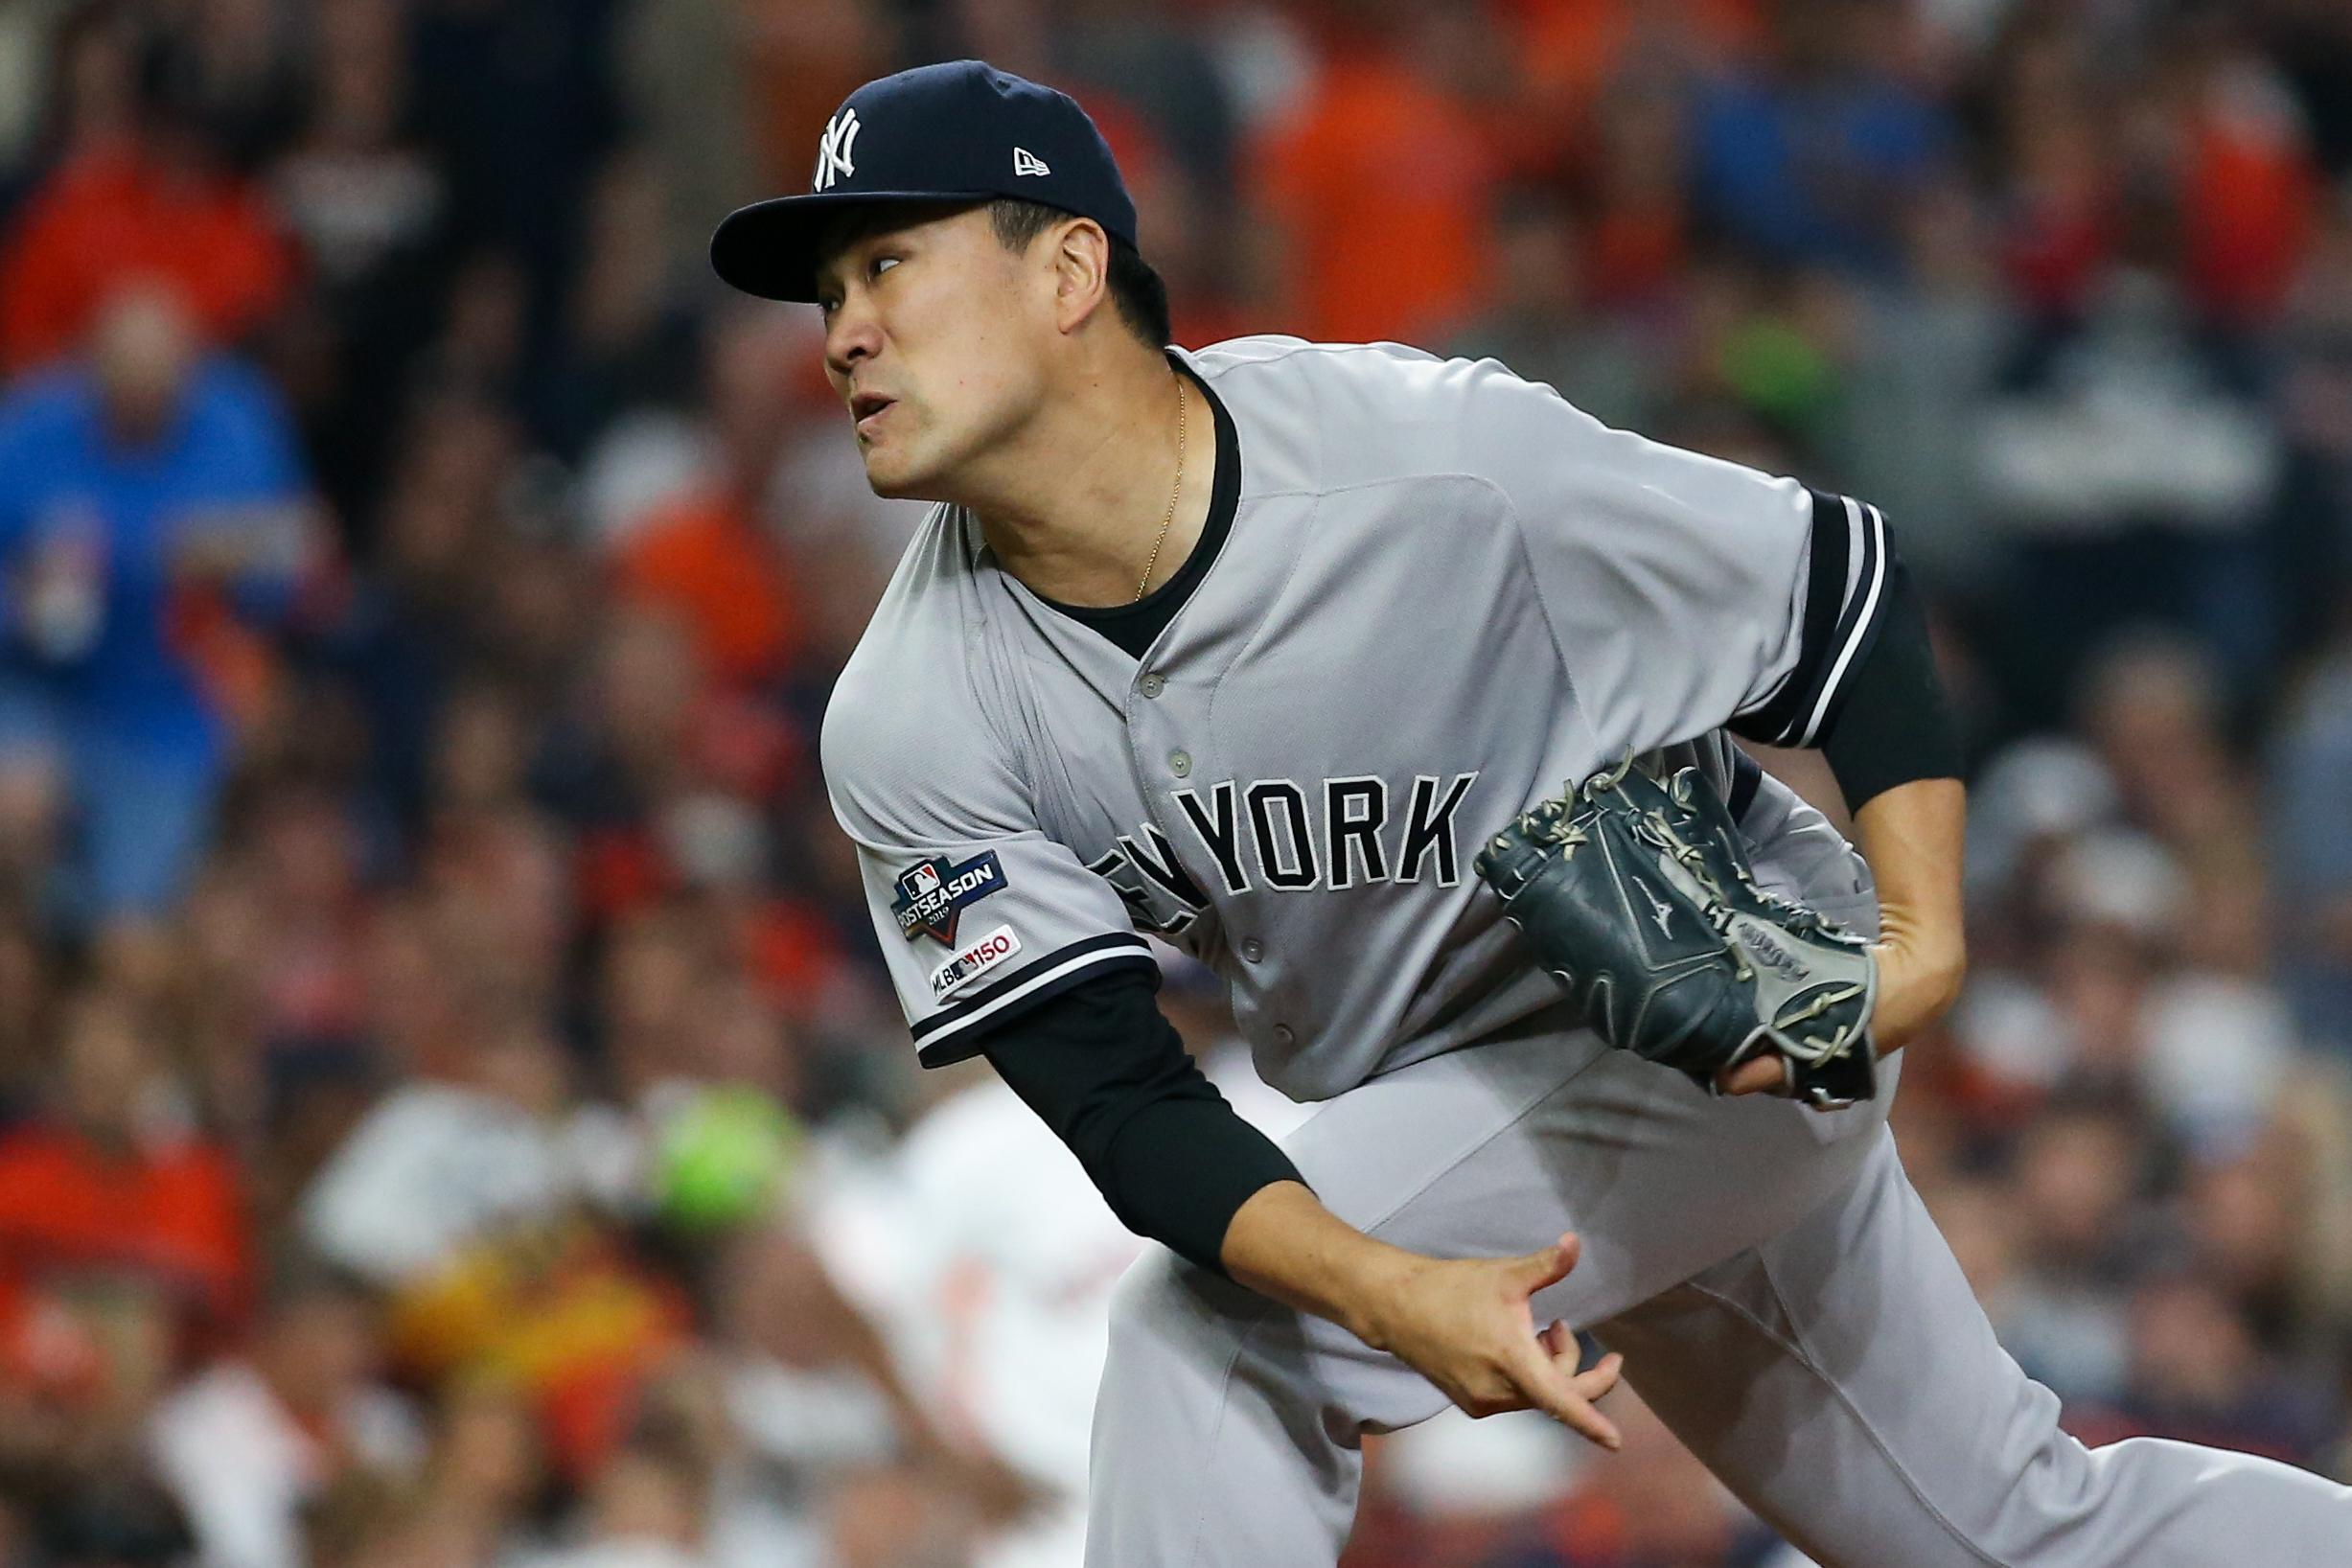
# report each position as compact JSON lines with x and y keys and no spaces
{"x":852,"y":337}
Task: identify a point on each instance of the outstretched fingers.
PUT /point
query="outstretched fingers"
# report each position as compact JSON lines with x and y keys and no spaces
{"x":1550,"y":1379}
{"x":1593,"y":1383}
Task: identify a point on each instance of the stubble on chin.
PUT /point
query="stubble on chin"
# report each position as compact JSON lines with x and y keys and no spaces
{"x":896,"y":473}
{"x":887,"y":480}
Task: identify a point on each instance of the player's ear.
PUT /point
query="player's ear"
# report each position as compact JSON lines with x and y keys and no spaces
{"x":1081,"y":272}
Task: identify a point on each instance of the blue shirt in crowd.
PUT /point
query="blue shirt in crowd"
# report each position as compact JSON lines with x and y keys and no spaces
{"x":231,"y":445}
{"x":1818,"y":176}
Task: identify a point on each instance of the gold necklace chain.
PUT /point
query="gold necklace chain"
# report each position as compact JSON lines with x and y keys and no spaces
{"x":1153,"y":565}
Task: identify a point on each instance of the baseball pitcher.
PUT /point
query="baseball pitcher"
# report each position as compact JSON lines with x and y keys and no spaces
{"x":1399,"y":692}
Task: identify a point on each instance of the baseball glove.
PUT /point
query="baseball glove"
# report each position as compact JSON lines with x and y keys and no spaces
{"x":1638,"y":896}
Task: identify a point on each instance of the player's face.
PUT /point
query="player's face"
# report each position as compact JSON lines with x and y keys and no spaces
{"x":928,"y":342}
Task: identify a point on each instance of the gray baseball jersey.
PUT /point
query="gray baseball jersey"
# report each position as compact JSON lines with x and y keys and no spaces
{"x":1445,"y":592}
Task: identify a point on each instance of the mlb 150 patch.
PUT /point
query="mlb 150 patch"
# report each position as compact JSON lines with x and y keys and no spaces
{"x":981,"y":957}
{"x":932,"y":892}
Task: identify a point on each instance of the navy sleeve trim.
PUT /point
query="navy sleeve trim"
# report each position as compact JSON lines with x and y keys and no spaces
{"x":962,"y":1030}
{"x":1845,"y":589}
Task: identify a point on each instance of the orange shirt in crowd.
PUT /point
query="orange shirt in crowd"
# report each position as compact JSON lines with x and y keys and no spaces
{"x":559,"y":1311}
{"x":1381,"y":187}
{"x":169,"y":1214}
{"x":108,"y":218}
{"x":704,"y":557}
{"x":2251,"y":199}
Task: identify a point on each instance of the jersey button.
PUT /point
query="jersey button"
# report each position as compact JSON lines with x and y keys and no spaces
{"x":1252,"y":949}
{"x":1282,"y":1035}
{"x":1180,"y":763}
{"x":1152,"y":685}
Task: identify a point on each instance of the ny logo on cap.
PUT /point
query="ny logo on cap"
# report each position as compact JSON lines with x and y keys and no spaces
{"x":832,"y":150}
{"x":1026,"y":162}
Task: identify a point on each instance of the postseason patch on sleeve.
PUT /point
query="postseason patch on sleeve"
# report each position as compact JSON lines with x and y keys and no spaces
{"x":931,"y":893}
{"x":983,"y":956}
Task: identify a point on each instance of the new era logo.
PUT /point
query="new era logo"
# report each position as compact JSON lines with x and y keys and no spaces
{"x":1026,"y":162}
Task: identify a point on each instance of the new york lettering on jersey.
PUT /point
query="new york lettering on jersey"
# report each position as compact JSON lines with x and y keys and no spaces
{"x":1285,"y":837}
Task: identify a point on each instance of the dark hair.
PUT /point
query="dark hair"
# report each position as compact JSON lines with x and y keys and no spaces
{"x":1136,"y":290}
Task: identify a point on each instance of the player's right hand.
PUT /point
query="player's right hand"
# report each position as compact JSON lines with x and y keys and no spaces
{"x":1468,"y":1326}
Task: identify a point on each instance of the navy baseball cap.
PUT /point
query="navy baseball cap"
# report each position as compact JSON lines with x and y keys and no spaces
{"x":961,"y":131}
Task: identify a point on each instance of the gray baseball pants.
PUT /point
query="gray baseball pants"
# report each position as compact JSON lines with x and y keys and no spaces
{"x":1783,"y":1300}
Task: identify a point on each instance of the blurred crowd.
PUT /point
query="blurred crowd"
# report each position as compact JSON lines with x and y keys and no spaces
{"x":450,"y":1114}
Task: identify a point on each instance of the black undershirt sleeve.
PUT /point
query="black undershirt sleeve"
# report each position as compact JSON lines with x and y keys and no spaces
{"x":1105,"y":1069}
{"x":1892,"y":724}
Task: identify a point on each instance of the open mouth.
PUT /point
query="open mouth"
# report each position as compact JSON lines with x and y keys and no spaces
{"x":865,"y":406}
